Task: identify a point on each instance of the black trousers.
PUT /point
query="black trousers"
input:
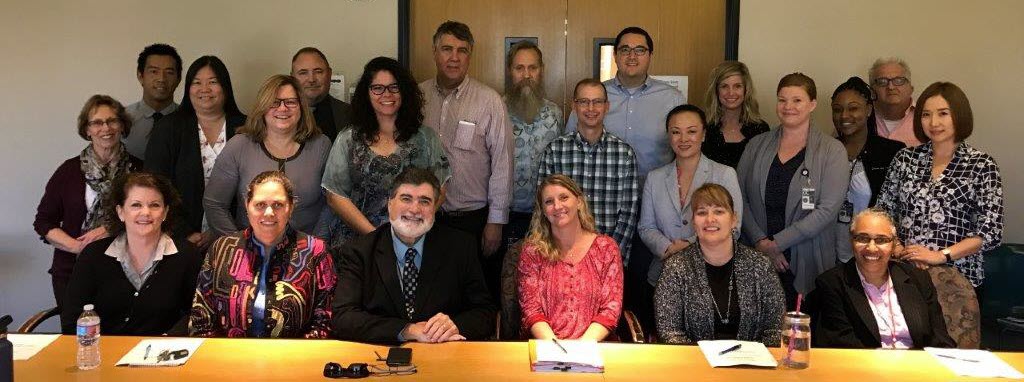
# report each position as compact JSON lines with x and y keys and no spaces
{"x":60,"y":288}
{"x":472,"y":222}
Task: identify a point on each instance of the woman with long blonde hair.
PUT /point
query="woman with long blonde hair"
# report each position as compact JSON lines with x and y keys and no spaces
{"x":570,"y":277}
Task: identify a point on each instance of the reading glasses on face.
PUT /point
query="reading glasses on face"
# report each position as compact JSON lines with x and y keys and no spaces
{"x":586,"y":102}
{"x":290,"y":103}
{"x":864,"y":239}
{"x":896,"y":81}
{"x":379,"y":89}
{"x":112,"y":122}
{"x":638,"y":51}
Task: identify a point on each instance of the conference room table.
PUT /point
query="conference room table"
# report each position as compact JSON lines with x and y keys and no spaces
{"x":246,"y":360}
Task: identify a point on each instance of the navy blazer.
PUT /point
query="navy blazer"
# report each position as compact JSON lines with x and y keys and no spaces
{"x":843,"y":318}
{"x":369,"y":305}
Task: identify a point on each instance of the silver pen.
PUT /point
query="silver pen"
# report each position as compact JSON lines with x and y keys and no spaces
{"x":148,"y":348}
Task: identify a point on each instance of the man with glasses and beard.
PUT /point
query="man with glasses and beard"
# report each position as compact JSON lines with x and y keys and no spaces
{"x":411,"y":280}
{"x":536,"y":121}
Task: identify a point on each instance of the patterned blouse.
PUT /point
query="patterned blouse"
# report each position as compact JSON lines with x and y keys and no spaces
{"x":569,"y":297}
{"x":530,"y":141}
{"x":966,"y":200}
{"x":300,"y":286}
{"x":354,"y":171}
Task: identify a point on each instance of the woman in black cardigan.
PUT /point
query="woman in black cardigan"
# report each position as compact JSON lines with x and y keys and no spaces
{"x":178,"y":151}
{"x":139,"y":279}
{"x":869,"y":155}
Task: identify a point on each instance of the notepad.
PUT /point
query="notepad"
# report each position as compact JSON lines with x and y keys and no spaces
{"x":578,"y":356}
{"x":748,"y":353}
{"x":974,"y":363}
{"x":27,"y":345}
{"x":139,"y":356}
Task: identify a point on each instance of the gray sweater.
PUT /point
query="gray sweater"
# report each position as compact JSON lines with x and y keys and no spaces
{"x":241,"y":160}
{"x":683,"y":299}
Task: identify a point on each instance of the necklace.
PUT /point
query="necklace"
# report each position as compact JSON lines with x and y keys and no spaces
{"x":724,"y":317}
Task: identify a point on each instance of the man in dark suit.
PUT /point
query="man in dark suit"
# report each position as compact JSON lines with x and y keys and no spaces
{"x":410,"y":280}
{"x":310,"y":67}
{"x":871,"y":302}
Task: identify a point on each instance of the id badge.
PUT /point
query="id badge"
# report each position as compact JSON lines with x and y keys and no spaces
{"x":846,"y":212}
{"x":807,"y":198}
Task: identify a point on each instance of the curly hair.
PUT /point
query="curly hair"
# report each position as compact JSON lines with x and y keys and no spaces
{"x":540,"y":228}
{"x":119,"y":194}
{"x":410,"y":113}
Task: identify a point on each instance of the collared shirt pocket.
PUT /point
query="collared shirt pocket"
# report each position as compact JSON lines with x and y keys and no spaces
{"x":465,"y":134}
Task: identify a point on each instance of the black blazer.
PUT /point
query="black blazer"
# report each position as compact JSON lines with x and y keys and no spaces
{"x":369,"y":305}
{"x":173,"y":151}
{"x":160,"y":306}
{"x":844,"y":318}
{"x":876,"y":155}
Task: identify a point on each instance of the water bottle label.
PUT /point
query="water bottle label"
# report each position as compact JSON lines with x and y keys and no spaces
{"x":88,"y":333}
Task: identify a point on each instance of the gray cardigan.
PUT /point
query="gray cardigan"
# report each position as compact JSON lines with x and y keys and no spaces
{"x":659,"y":224}
{"x":809,"y":234}
{"x":683,"y":293}
{"x":241,"y":160}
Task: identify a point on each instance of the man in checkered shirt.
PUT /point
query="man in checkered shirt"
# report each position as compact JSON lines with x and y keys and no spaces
{"x":601,"y":164}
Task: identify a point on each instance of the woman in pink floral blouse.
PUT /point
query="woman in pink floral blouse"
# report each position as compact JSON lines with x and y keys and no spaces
{"x":570,"y":277}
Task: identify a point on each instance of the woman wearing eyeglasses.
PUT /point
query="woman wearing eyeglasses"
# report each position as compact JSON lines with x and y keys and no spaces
{"x":281,"y":135}
{"x":874,"y":303}
{"x":185,"y":145}
{"x":386,"y":138}
{"x":72,"y":211}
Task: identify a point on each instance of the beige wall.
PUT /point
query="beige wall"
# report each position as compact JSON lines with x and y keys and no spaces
{"x":977,"y":45}
{"x":55,"y":54}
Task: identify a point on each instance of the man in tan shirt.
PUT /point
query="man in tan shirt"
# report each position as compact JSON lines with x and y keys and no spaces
{"x":476,"y":134}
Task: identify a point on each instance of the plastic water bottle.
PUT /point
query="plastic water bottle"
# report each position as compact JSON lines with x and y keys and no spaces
{"x":88,"y":339}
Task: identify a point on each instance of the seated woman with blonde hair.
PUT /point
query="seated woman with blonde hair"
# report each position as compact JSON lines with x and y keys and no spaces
{"x":570,"y":277}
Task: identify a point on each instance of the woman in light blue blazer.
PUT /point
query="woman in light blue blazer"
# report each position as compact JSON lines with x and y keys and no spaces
{"x":794,"y":181}
{"x":665,"y":225}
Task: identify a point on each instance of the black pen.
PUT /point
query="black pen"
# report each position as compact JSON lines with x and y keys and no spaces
{"x":730,"y":349}
{"x":555,"y":340}
{"x":956,"y":358}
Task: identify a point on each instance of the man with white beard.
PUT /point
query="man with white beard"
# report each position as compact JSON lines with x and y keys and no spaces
{"x":536,"y":121}
{"x":410,"y":280}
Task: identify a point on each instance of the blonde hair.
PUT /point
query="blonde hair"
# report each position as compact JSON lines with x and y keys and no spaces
{"x":750,"y":112}
{"x":540,"y":228}
{"x":256,"y":127}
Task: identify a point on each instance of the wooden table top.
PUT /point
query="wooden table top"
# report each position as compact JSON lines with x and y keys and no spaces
{"x":247,"y":360}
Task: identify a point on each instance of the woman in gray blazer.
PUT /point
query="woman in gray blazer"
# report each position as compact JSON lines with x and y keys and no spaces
{"x":794,"y":180}
{"x":665,"y":225}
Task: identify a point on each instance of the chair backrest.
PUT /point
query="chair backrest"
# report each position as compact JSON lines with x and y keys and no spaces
{"x":510,"y":321}
{"x":33,"y":322}
{"x":959,"y":305}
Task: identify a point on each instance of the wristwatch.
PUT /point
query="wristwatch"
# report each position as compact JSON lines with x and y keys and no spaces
{"x":946,"y":252}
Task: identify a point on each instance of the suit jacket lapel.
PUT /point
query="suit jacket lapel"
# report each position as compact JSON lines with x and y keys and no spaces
{"x":433,"y":257}
{"x":672,"y":186}
{"x":912,"y":307}
{"x":700,"y":176}
{"x":387,"y":265}
{"x":859,"y":300}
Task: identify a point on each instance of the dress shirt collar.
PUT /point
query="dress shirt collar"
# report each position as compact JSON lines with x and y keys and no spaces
{"x":640,"y":89}
{"x":118,"y":248}
{"x":870,"y":289}
{"x":459,"y":90}
{"x":146,"y":111}
{"x":584,"y":144}
{"x":401,"y":248}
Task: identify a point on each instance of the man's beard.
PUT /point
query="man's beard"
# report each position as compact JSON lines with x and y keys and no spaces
{"x":525,"y":99}
{"x":412,"y":229}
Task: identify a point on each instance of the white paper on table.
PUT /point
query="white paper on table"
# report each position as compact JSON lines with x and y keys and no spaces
{"x":749,"y":353}
{"x":27,"y":345}
{"x":974,"y":363}
{"x":578,"y":356}
{"x":137,"y":356}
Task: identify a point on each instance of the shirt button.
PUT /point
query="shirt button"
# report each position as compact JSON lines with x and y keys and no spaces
{"x":136,"y":294}
{"x":249,"y":320}
{"x":126,"y":319}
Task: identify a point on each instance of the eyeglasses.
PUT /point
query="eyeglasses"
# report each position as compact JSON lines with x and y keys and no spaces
{"x":585,"y":102}
{"x":865,"y":239}
{"x":638,"y":51}
{"x":290,"y":103}
{"x":896,"y":81}
{"x":112,"y":122}
{"x":379,"y":89}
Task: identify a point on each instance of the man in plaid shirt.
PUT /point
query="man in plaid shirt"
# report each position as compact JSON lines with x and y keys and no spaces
{"x":602,"y":164}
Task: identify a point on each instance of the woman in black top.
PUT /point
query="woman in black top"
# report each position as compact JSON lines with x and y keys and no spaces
{"x":184,"y":146}
{"x":139,"y":279}
{"x":733,"y":117}
{"x":869,"y":155}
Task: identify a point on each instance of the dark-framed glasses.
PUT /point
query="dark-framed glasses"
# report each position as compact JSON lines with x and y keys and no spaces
{"x":638,"y":51}
{"x":378,"y":89}
{"x":112,"y":122}
{"x":586,"y":102}
{"x":865,"y":239}
{"x":291,"y":103}
{"x":896,"y":81}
